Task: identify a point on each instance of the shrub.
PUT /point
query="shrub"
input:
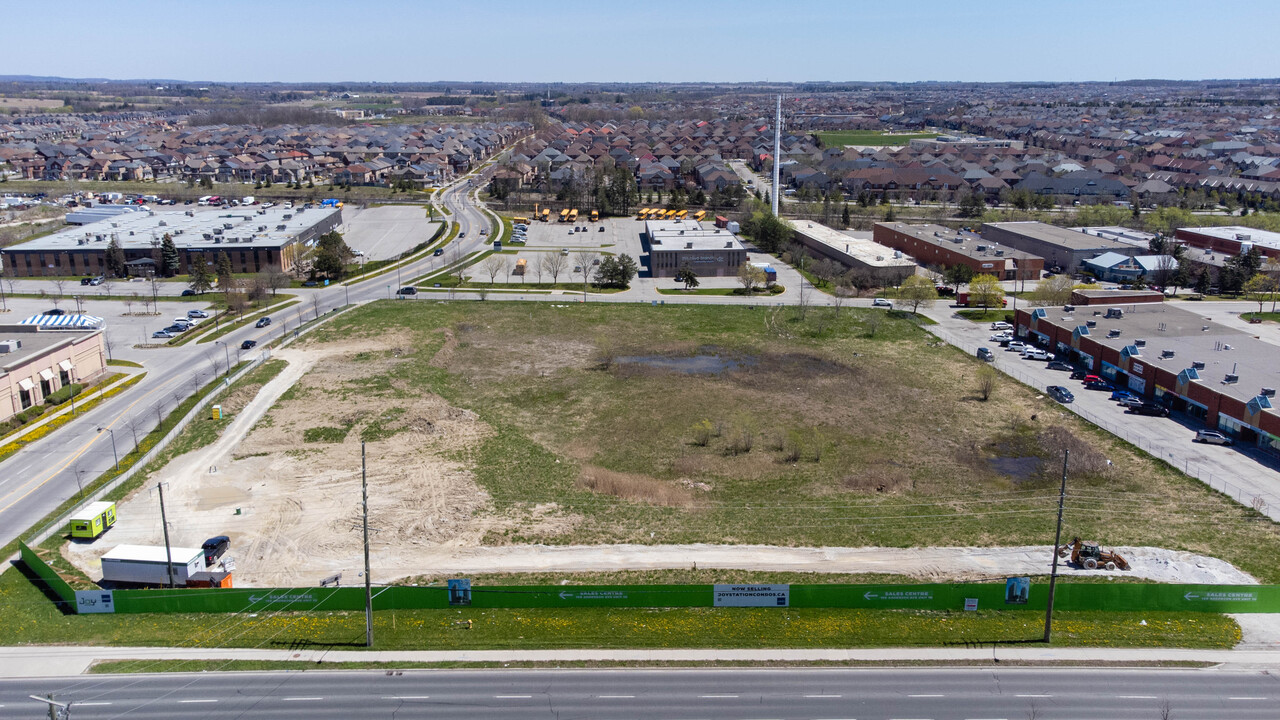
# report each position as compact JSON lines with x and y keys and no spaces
{"x":64,"y":393}
{"x":702,"y":432}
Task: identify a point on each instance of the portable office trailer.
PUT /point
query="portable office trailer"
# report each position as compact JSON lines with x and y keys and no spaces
{"x":145,"y":564}
{"x":93,"y":519}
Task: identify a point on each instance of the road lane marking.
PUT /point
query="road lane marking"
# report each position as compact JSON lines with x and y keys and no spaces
{"x":1230,"y":698}
{"x":926,"y":696}
{"x":186,"y":702}
{"x":1137,"y":697}
{"x":823,"y":696}
{"x":717,"y":696}
{"x":614,"y":697}
{"x":512,"y":697}
{"x":1033,"y":696}
{"x":407,"y":697}
{"x":299,"y":699}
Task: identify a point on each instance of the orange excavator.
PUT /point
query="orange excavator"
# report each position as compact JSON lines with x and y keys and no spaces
{"x":1091,"y":557}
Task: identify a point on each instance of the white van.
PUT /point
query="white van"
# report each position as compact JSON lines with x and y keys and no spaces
{"x":204,"y":200}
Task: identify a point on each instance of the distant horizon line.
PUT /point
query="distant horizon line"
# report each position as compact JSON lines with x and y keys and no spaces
{"x":18,"y":78}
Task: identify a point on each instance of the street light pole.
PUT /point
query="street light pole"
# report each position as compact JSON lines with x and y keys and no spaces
{"x":226,"y":352}
{"x":114,"y":454}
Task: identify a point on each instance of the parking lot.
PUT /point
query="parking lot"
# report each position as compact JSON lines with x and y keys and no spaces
{"x":613,"y":236}
{"x":383,"y":233}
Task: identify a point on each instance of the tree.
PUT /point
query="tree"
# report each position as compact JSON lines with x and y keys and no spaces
{"x":1203,"y":282}
{"x":586,"y":260}
{"x":495,"y":265}
{"x":170,"y":264}
{"x":917,"y":291}
{"x":769,"y":232}
{"x":987,"y":379}
{"x":276,"y":278}
{"x":332,"y":254}
{"x":200,"y":280}
{"x":844,"y":216}
{"x":115,"y":259}
{"x":226,"y":277}
{"x":554,"y":263}
{"x":1053,"y":291}
{"x":957,"y":275}
{"x":687,"y":276}
{"x":751,"y":277}
{"x":1260,"y":289}
{"x":972,"y":205}
{"x":616,"y":272}
{"x":1165,"y":273}
{"x":985,"y":292}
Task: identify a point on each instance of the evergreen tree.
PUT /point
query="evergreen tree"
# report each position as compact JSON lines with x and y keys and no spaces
{"x":170,"y":264}
{"x":1203,"y":282}
{"x":226,"y":278}
{"x":115,"y":259}
{"x":844,"y":216}
{"x":198,"y":272}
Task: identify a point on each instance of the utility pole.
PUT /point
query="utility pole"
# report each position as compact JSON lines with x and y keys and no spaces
{"x":57,"y":710}
{"x":1057,"y":540}
{"x":164,"y":523}
{"x":777,"y":151}
{"x":368,"y":585}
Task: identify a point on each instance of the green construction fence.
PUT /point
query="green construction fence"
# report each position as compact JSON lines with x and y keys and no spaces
{"x":1117,"y":597}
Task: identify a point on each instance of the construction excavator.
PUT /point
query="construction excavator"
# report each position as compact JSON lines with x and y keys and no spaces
{"x":1091,"y":557}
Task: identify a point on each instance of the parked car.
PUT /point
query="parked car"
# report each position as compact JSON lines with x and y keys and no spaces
{"x":1078,"y":374}
{"x":177,"y":329}
{"x":1212,"y":437}
{"x":197,"y":314}
{"x":1035,"y":354}
{"x":96,"y":281}
{"x":215,"y":548}
{"x":1131,"y":401}
{"x":1061,"y":394}
{"x":1000,"y":336}
{"x":881,"y":302}
{"x":1097,"y":385}
{"x":263,"y":322}
{"x":1006,"y":342}
{"x":1016,"y":346}
{"x":1092,"y":378}
{"x":1148,"y":408}
{"x":55,"y":311}
{"x":986,"y":354}
{"x":1119,"y":395}
{"x":1001,"y":325}
{"x":162,"y":334}
{"x":248,"y":344}
{"x":601,"y":228}
{"x":188,"y":292}
{"x":408,"y":290}
{"x":1058,"y":365}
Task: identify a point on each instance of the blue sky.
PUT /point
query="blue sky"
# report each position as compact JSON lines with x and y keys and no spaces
{"x":657,"y":40}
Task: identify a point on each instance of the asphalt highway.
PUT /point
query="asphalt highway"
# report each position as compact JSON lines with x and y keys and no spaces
{"x":675,"y":694}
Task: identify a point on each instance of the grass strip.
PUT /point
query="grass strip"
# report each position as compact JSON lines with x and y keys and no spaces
{"x":58,"y":421}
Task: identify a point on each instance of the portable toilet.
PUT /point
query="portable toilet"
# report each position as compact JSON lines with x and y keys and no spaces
{"x":93,"y":519}
{"x":217,"y":413}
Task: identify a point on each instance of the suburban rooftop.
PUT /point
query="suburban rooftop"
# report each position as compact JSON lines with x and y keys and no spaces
{"x":866,"y":251}
{"x":959,"y":241}
{"x":1263,"y":238}
{"x":689,"y":234}
{"x":1070,"y":239}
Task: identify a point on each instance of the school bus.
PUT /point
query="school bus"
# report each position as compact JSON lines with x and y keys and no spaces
{"x":564,"y":215}
{"x":699,"y":215}
{"x":643,"y":214}
{"x":573,"y":215}
{"x":595,"y":215}
{"x":681,"y":215}
{"x":669,"y":214}
{"x":519,"y":221}
{"x":521,"y":264}
{"x":546,"y":214}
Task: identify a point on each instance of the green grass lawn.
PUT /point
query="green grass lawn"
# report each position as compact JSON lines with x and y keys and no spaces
{"x":845,"y":428}
{"x":837,"y":138}
{"x":984,"y":316}
{"x":1263,"y":316}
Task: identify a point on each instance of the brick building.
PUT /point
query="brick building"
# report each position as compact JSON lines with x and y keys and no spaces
{"x":938,"y":247}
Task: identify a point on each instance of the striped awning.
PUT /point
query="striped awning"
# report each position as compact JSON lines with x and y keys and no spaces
{"x":64,"y":321}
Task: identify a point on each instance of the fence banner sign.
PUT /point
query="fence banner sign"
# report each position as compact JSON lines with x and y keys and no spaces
{"x":751,"y":596}
{"x":94,"y":601}
{"x":970,"y":604}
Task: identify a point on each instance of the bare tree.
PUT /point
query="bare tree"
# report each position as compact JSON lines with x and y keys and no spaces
{"x":276,"y":278}
{"x":495,"y":265}
{"x":555,"y":263}
{"x":315,"y":304}
{"x":60,"y":291}
{"x":128,"y":303}
{"x":987,"y":379}
{"x":873,"y":321}
{"x":106,"y":286}
{"x":585,"y":259}
{"x":133,"y":423}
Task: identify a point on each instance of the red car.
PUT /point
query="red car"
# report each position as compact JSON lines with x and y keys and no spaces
{"x":1091,"y":378}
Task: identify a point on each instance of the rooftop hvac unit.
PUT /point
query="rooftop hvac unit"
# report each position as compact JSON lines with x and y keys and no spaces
{"x":1268,"y":392}
{"x":226,"y":226}
{"x":879,"y":258}
{"x":217,"y":231}
{"x":729,"y":244}
{"x":130,"y":233}
{"x":1140,"y":343}
{"x":115,"y":225}
{"x":688,"y":246}
{"x":1166,"y":354}
{"x":8,"y":346}
{"x":999,"y":253}
{"x":1231,"y":379}
{"x":81,"y":241}
{"x":1197,"y":364}
{"x":982,"y":248}
{"x":217,"y":240}
{"x":1242,"y":237}
{"x":262,"y":228}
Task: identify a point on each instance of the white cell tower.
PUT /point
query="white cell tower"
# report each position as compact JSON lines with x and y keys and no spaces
{"x":777,"y":152}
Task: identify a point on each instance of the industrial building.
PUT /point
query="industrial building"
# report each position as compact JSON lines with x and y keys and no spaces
{"x":36,"y":362}
{"x":881,"y":263}
{"x":709,"y":252}
{"x":252,"y":237}
{"x":1061,"y":248}
{"x":940,"y":247}
{"x":1231,"y":240}
{"x":1221,"y":376}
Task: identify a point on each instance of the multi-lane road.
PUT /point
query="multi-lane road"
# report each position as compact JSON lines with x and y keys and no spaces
{"x":41,"y":476}
{"x":677,"y":694}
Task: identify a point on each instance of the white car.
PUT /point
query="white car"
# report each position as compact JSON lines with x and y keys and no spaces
{"x":881,"y":302}
{"x":1016,"y":347}
{"x":1001,"y":336}
{"x":1213,"y":437}
{"x":1035,"y":354}
{"x":1001,"y":325}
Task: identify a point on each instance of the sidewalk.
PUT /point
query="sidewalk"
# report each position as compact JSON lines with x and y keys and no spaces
{"x":63,"y":660}
{"x":75,"y":404}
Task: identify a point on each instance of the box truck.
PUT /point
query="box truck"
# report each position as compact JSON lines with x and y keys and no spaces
{"x":145,"y":564}
{"x":93,"y":519}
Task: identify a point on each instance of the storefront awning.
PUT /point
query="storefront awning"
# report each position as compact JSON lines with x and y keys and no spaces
{"x":65,"y":366}
{"x":46,"y":375}
{"x":26,"y":384}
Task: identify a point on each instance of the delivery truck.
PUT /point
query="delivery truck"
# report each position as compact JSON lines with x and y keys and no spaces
{"x":93,"y":519}
{"x":145,"y":565}
{"x":521,"y":264}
